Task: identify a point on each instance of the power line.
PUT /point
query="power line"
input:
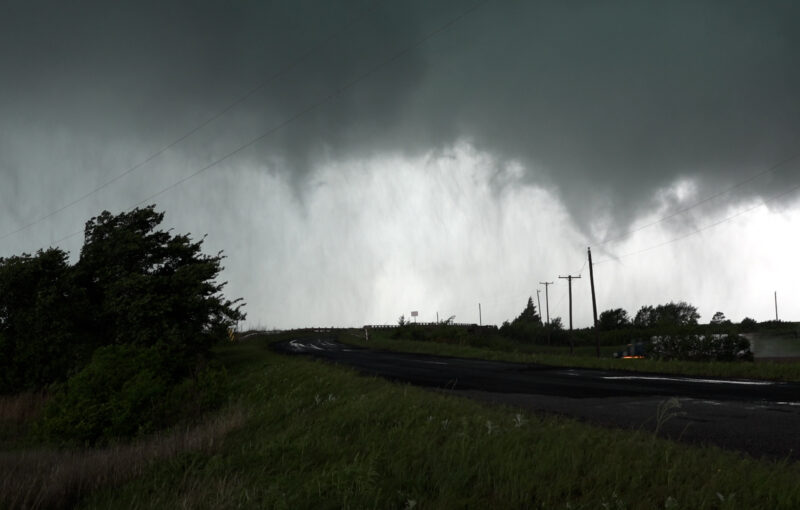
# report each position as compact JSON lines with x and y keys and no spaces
{"x":703,"y":229}
{"x":230,"y":106}
{"x":701,"y":202}
{"x":546,"y":298}
{"x":314,"y":106}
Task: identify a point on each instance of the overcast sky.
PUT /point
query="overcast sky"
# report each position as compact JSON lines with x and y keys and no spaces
{"x":358,"y":160}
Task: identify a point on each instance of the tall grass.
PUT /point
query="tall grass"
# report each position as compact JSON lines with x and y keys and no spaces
{"x":321,"y":436}
{"x":49,"y":478}
{"x":22,"y":407}
{"x":16,"y":411}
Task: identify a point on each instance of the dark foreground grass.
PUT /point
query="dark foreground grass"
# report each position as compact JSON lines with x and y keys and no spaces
{"x":15,"y":412}
{"x":48,"y":478}
{"x":584,"y":358}
{"x":321,"y":436}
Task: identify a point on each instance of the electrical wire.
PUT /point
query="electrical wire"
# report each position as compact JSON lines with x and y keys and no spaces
{"x":313,"y":106}
{"x":703,"y":229}
{"x":226,"y":109}
{"x":701,"y":202}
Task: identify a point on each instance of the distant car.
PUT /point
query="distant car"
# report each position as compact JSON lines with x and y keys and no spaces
{"x":633,"y":351}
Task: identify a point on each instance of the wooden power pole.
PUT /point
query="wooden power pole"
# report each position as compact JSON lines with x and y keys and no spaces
{"x":594,"y":302}
{"x":547,"y":298}
{"x":776,"y":305}
{"x":569,"y":279}
{"x":539,"y":303}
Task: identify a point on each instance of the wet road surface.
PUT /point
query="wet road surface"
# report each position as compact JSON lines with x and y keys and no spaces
{"x":761,"y":418}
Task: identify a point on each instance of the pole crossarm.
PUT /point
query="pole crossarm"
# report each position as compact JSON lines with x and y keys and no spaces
{"x":569,"y":279}
{"x":547,"y":298}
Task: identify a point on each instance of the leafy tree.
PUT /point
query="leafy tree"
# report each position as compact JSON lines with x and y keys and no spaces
{"x":610,"y":320}
{"x":401,"y":321}
{"x":125,"y":391}
{"x":748,"y":325}
{"x":528,"y":315}
{"x":719,"y":319}
{"x":667,"y":315}
{"x":556,"y":324}
{"x":526,"y":327}
{"x":133,"y":285}
{"x":677,"y":314}
{"x":645,"y":317}
{"x":147,"y":286}
{"x":41,"y":337}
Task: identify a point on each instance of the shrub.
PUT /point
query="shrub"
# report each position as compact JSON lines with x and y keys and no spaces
{"x":40,"y":313}
{"x":715,"y":347}
{"x":125,"y":391}
{"x":133,"y":284}
{"x":748,"y":325}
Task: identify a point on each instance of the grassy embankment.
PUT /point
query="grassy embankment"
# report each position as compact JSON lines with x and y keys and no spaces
{"x":320,"y":436}
{"x":314,"y":435}
{"x":584,"y":357}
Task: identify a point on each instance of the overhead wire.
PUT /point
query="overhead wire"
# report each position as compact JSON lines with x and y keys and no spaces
{"x":226,"y":109}
{"x":702,"y":229}
{"x":701,"y":202}
{"x":313,"y":106}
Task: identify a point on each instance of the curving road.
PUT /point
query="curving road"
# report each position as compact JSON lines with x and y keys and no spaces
{"x":758,"y":417}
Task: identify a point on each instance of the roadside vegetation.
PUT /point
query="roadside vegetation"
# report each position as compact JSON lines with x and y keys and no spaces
{"x":106,"y":364}
{"x":669,"y":336}
{"x":301,"y":433}
{"x":116,"y":345}
{"x":120,"y":388}
{"x":583,"y":358}
{"x":322,"y":436}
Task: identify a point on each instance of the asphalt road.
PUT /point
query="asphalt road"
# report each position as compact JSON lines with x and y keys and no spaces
{"x":758,"y":417}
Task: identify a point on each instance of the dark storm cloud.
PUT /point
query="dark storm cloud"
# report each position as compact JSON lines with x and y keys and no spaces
{"x":604,"y":101}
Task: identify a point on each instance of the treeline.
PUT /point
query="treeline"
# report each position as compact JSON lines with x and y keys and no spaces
{"x":121,"y":339}
{"x":668,"y":331}
{"x":616,"y":326}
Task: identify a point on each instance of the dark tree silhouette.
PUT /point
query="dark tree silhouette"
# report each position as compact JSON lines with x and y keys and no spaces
{"x":719,"y":318}
{"x":529,"y":315}
{"x":645,"y":317}
{"x":748,"y":325}
{"x":148,"y":286}
{"x":667,"y":315}
{"x":614,"y":319}
{"x":40,"y":312}
{"x":133,"y":285}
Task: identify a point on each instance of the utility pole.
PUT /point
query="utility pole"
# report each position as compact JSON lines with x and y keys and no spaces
{"x":569,"y":279}
{"x":480,"y":319}
{"x":539,"y":302}
{"x":594,"y":302}
{"x":547,"y":298}
{"x":776,"y":305}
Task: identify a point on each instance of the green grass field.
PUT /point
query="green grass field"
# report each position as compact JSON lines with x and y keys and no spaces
{"x":316,"y":435}
{"x":320,"y":436}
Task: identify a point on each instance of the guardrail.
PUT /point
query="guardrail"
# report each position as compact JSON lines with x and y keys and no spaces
{"x":443,"y":324}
